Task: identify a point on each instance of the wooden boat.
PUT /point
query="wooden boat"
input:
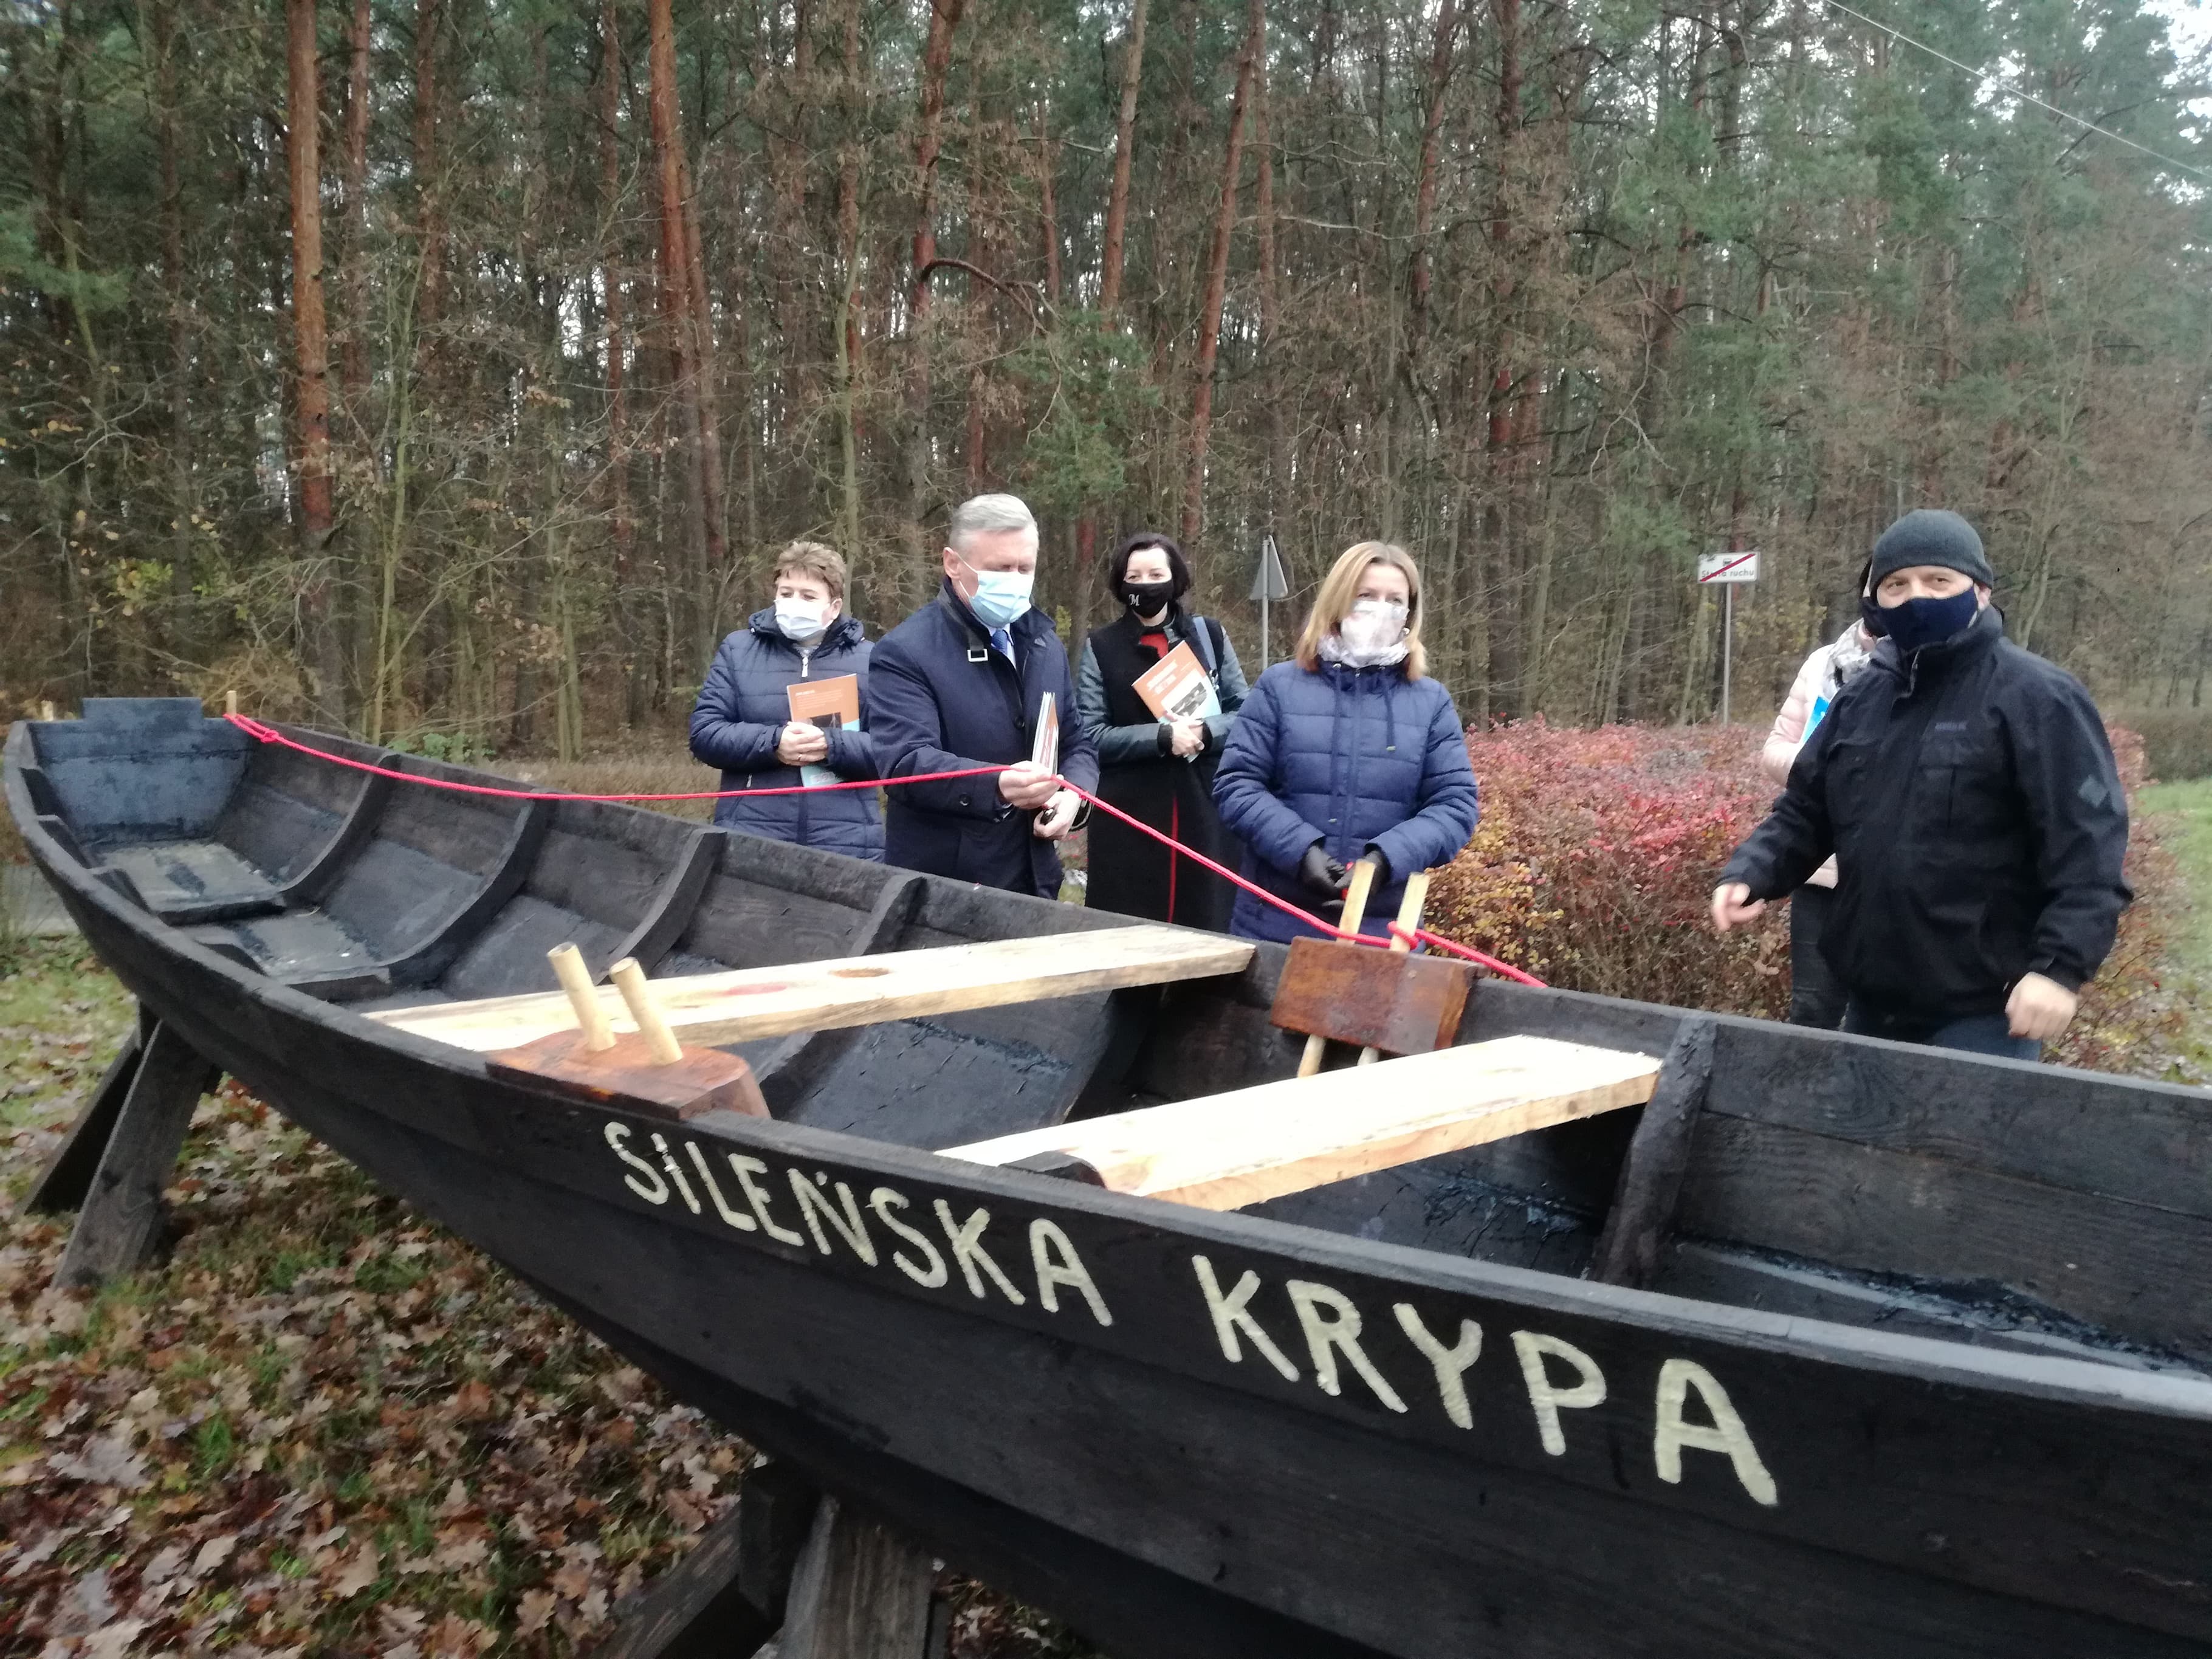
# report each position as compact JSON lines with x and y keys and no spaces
{"x":1839,"y":1348}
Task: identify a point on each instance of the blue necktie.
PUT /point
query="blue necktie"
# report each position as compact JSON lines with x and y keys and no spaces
{"x":1003,"y":643}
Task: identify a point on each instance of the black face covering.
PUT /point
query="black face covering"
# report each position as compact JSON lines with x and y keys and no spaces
{"x":1148,"y":598}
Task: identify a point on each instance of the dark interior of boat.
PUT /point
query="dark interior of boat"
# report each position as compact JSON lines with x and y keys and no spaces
{"x":373,"y":894}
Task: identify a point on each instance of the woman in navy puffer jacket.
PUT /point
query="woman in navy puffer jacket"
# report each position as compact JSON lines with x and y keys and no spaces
{"x":1347,"y":751}
{"x":742,"y":721}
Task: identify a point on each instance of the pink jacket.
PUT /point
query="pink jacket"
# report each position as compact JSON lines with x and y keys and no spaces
{"x":1821,"y":676}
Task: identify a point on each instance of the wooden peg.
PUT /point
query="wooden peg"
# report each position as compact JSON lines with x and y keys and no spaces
{"x":1355,"y":911}
{"x":230,"y":701}
{"x":637,"y":996}
{"x":1409,"y":918}
{"x":583,"y":996}
{"x":45,"y":709}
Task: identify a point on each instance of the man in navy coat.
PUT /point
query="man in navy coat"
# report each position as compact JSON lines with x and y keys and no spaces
{"x":959,"y":684}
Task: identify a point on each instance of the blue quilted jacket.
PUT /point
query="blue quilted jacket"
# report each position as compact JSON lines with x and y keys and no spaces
{"x":1350,"y":757}
{"x":741,"y":712}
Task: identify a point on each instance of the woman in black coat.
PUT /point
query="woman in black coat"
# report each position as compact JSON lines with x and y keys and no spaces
{"x":1159,"y":771}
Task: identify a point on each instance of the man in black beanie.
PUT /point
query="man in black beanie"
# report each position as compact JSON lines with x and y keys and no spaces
{"x":1969,"y":795}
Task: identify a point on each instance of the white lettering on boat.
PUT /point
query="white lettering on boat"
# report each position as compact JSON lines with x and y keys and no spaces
{"x":738,"y":1218}
{"x":1230,"y":1317}
{"x":966,"y":1238}
{"x":1332,"y":1327}
{"x":815,"y":1207}
{"x":1726,"y":1435}
{"x":657,"y":1192}
{"x":936,"y":1274}
{"x":1451,"y":1363}
{"x":747,"y":1168}
{"x":1052,"y":1253}
{"x":675,"y":1174}
{"x":1557,"y":1376}
{"x":1546,"y":1400}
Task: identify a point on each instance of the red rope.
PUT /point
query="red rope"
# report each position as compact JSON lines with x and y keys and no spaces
{"x":1413,"y":937}
{"x":254,"y":728}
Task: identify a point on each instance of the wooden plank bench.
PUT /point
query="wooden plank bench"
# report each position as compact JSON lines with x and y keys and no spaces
{"x":1224,"y":1151}
{"x":708,"y":1009}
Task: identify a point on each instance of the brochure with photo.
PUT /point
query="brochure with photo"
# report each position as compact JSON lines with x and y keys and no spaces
{"x":1177,"y":688}
{"x":831,"y":703}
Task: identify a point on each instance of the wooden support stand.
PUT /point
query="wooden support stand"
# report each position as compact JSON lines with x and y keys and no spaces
{"x":1355,"y":912}
{"x":118,"y":1228}
{"x":67,"y":1177}
{"x":821,"y":1579}
{"x":649,"y":1071}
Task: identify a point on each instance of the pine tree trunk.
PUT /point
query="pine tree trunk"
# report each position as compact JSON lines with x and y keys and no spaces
{"x":1125,"y":132}
{"x":1217,"y":274}
{"x":611,"y":278}
{"x":682,"y":286}
{"x":936,"y":58}
{"x":1271,"y":368}
{"x":311,"y":397}
{"x":430,"y":224}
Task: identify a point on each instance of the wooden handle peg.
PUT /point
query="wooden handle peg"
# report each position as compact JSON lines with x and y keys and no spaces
{"x":583,"y":996}
{"x":1355,"y":912}
{"x":230,"y":701}
{"x":652,"y":1025}
{"x":1409,"y":918}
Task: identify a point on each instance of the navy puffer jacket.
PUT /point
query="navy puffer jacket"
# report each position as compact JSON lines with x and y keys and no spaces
{"x":741,"y":711}
{"x":1349,"y":757}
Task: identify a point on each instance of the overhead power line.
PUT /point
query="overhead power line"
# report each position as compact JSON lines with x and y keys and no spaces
{"x":1988,"y":80}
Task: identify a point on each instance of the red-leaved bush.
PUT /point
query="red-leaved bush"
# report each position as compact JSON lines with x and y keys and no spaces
{"x":1596,"y":857}
{"x":1598,"y":850}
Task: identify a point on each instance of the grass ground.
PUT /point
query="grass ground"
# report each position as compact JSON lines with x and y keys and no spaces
{"x":323,"y":1425}
{"x":2185,"y":811}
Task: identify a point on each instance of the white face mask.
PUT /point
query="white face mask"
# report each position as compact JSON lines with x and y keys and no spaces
{"x":1372,"y":631}
{"x":801,"y":620}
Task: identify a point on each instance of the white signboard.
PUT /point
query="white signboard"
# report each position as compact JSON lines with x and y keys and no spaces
{"x":1728,"y":568}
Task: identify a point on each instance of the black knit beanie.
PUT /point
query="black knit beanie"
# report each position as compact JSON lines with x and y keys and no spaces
{"x":1930,"y":534}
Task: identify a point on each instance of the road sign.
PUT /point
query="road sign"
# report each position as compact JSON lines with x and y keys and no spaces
{"x":1268,"y":582}
{"x":1728,"y":568}
{"x":1723,"y":570}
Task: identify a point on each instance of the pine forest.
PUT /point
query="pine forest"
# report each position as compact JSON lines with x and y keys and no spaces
{"x":450,"y":371}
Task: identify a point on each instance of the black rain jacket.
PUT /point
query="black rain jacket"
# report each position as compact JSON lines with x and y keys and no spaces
{"x":1970,"y":797}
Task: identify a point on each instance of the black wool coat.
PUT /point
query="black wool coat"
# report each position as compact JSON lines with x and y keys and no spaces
{"x":942,"y":700}
{"x":1130,"y":872}
{"x":1970,"y":797}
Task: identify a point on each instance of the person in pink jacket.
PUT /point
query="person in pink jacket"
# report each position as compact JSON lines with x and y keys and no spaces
{"x":1816,"y":997}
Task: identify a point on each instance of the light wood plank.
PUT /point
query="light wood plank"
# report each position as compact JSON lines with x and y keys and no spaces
{"x":705,"y":1009}
{"x":1224,"y":1151}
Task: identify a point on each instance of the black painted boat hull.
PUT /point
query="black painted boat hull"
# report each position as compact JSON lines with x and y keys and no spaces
{"x":1263,"y":1433}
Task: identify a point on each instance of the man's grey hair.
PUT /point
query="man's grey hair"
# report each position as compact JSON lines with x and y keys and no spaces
{"x":988,"y":515}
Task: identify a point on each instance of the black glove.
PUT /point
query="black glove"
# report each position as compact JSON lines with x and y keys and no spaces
{"x":1381,"y":861}
{"x":1323,"y":875}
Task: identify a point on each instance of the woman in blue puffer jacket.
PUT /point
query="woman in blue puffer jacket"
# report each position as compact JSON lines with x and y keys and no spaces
{"x":1347,"y":751}
{"x":742,"y":721}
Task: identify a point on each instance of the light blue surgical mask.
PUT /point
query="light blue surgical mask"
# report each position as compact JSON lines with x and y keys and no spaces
{"x":800,"y":621}
{"x":1000,"y":596}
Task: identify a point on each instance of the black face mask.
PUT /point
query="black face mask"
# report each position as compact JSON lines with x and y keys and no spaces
{"x":1148,"y":598}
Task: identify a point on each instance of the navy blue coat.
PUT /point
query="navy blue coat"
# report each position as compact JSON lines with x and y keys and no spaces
{"x":1349,"y":757}
{"x":944,"y":701}
{"x":741,"y":714}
